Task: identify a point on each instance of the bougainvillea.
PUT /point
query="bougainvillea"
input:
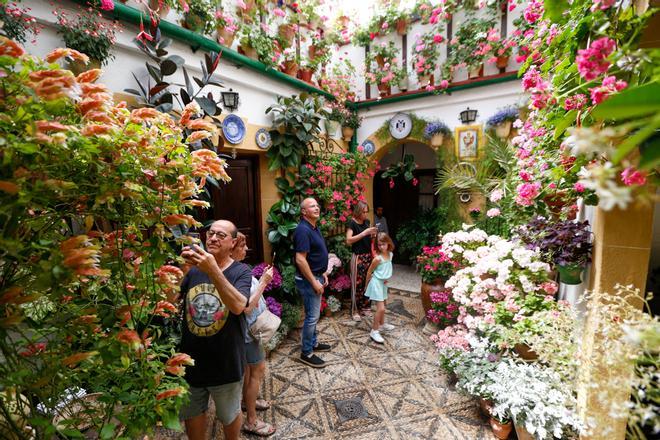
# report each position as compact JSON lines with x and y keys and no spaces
{"x":91,"y":194}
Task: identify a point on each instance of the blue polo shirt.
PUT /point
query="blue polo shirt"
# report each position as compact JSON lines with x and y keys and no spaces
{"x":307,"y":238}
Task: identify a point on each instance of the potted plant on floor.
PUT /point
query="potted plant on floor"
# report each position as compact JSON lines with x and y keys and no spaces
{"x":435,"y":132}
{"x":435,"y":267}
{"x":426,"y":52}
{"x":87,"y":33}
{"x":566,"y":244}
{"x":333,"y":305}
{"x":502,"y":120}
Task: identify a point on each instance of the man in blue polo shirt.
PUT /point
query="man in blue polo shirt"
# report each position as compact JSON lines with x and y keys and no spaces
{"x":311,"y":278}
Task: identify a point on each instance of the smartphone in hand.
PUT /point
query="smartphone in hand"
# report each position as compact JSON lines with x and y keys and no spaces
{"x":195,"y":239}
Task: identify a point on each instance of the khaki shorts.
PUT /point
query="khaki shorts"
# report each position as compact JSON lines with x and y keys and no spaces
{"x":227,"y":399}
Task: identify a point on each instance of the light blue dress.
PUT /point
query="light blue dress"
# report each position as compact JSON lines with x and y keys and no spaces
{"x":377,"y":290}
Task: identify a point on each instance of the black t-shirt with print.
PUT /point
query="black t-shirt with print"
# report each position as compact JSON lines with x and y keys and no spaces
{"x":211,"y":334}
{"x":363,"y":246}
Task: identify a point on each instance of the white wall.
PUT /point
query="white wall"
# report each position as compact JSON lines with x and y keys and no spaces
{"x":257,"y":92}
{"x":487,"y":100}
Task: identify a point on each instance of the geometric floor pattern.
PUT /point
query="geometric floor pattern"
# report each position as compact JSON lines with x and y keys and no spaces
{"x":366,"y":391}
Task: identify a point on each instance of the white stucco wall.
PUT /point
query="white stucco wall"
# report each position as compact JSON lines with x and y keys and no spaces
{"x":257,"y":92}
{"x":487,"y":100}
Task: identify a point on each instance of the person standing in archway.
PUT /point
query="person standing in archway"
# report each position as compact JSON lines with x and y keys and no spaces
{"x":359,"y":235}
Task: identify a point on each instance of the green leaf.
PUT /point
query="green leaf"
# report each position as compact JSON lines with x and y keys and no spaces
{"x":630,"y":103}
{"x":282,"y":229}
{"x":650,"y":154}
{"x":273,"y":236}
{"x":107,"y":431}
{"x":171,"y":421}
{"x":636,"y":139}
{"x":564,"y":123}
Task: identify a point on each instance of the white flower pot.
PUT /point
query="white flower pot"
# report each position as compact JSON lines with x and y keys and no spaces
{"x":332,"y":128}
{"x":503,"y":130}
{"x":403,"y":84}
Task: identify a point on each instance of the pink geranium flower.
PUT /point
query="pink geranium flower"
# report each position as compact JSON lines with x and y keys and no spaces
{"x":592,"y":62}
{"x":631,"y":176}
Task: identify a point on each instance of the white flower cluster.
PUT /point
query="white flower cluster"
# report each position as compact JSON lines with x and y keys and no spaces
{"x":494,"y":270}
{"x":533,"y":396}
{"x":601,"y":178}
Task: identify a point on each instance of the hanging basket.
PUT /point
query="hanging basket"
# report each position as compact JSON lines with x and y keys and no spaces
{"x":570,"y":274}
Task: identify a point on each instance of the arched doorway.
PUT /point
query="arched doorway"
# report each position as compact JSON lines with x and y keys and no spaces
{"x":404,"y":200}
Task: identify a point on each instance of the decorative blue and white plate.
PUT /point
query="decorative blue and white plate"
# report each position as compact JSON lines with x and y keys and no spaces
{"x":262,"y":138}
{"x":368,"y":147}
{"x":233,"y":129}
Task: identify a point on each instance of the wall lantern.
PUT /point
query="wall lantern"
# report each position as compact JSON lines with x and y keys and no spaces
{"x":230,"y":100}
{"x":468,"y":116}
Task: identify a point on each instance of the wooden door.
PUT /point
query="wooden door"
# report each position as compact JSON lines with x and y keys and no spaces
{"x":238,"y":201}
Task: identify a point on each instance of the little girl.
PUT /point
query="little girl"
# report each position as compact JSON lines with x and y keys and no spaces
{"x":379,"y":272}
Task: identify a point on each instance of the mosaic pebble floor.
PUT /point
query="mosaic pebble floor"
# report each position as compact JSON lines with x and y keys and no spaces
{"x":366,"y":391}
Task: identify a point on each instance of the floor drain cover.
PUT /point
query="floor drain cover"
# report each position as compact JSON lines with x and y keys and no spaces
{"x":350,"y":409}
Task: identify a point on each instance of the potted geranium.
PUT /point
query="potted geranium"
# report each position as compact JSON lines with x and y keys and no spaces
{"x":426,"y":52}
{"x":435,"y":132}
{"x":17,"y":22}
{"x":197,"y":15}
{"x":226,"y":27}
{"x":444,"y":310}
{"x":502,"y":121}
{"x":350,"y":123}
{"x":89,"y":34}
{"x":289,"y":61}
{"x":383,"y":69}
{"x":383,"y":53}
{"x":435,"y":267}
{"x":566,"y":244}
{"x":470,"y":46}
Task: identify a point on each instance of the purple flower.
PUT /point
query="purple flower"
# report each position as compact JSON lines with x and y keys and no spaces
{"x":274,"y":306}
{"x":259,"y":270}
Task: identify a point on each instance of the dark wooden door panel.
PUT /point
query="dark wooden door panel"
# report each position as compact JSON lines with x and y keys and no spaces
{"x":238,"y":201}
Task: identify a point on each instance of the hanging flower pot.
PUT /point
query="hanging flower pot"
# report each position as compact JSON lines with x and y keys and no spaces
{"x":78,"y":67}
{"x":193,"y":22}
{"x":160,"y":7}
{"x":332,"y":128}
{"x":287,"y":32}
{"x":435,"y":286}
{"x":503,"y":130}
{"x":437,"y":140}
{"x":224,"y":37}
{"x":347,"y":133}
{"x":306,"y":75}
{"x":290,"y":67}
{"x":402,"y":26}
{"x":384,"y":90}
{"x":425,"y":80}
{"x":380,"y":60}
{"x":502,"y":61}
{"x":476,"y":71}
{"x":501,"y":430}
{"x":522,"y":433}
{"x":570,"y":274}
{"x":525,"y":352}
{"x":248,"y":51}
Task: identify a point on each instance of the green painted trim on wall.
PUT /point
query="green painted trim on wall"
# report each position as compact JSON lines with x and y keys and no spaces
{"x":197,"y":41}
{"x":423,"y":94}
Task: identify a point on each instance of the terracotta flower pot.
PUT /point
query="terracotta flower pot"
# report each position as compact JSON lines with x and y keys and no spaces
{"x":501,"y":430}
{"x":503,"y":130}
{"x":380,"y":60}
{"x":402,"y":26}
{"x":476,"y":72}
{"x":161,"y":8}
{"x":502,"y":61}
{"x":306,"y":75}
{"x":436,"y":286}
{"x":437,"y":140}
{"x":425,"y":80}
{"x":193,"y":22}
{"x":287,"y":32}
{"x":78,"y":67}
{"x":525,"y":352}
{"x":343,"y":21}
{"x":249,"y":52}
{"x":522,"y":433}
{"x":327,"y":312}
{"x":384,"y":90}
{"x":224,"y":37}
{"x":290,"y":68}
{"x":347,"y":133}
{"x":570,"y":274}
